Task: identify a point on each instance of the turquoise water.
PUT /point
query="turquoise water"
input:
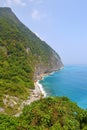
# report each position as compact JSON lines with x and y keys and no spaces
{"x":70,"y":81}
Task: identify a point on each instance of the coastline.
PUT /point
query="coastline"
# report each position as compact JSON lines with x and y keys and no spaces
{"x":35,"y":94}
{"x":39,"y":89}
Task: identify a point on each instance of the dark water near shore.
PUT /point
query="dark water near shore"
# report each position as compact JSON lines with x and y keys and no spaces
{"x":70,"y":81}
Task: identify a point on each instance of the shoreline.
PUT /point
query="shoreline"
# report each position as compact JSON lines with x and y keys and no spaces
{"x":39,"y":87}
{"x":35,"y":94}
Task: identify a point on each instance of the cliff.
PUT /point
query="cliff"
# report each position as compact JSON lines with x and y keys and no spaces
{"x":23,"y":57}
{"x":54,"y":64}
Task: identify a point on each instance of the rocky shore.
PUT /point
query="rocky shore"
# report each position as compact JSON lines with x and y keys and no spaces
{"x":36,"y":94}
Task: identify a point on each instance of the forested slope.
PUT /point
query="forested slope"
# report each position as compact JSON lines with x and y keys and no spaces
{"x":23,"y":57}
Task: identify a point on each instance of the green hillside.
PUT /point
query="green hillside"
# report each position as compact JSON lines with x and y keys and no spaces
{"x":23,"y":57}
{"x":47,"y":114}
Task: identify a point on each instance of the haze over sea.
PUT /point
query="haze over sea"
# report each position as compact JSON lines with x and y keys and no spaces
{"x":70,"y":81}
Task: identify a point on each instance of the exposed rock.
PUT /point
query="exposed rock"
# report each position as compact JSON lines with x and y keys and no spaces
{"x":10,"y":101}
{"x":28,"y":50}
{"x":2,"y":110}
{"x":36,"y":94}
{"x":54,"y":64}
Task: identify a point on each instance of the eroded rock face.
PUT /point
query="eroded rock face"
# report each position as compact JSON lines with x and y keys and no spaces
{"x":54,"y":64}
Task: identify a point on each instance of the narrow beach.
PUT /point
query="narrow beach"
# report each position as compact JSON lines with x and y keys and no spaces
{"x":36,"y":94}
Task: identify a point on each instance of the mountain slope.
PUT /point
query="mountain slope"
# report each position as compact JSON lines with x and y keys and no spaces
{"x":23,"y":57}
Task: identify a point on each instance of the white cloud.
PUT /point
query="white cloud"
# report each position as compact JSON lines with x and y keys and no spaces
{"x":19,"y":2}
{"x":36,"y":15}
{"x":12,"y":2}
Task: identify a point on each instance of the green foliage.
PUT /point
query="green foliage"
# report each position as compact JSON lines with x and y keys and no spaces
{"x":20,"y":51}
{"x":7,"y":122}
{"x":53,"y":113}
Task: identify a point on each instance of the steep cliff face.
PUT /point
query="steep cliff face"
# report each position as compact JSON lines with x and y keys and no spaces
{"x":23,"y":57}
{"x":54,"y":64}
{"x":14,"y":33}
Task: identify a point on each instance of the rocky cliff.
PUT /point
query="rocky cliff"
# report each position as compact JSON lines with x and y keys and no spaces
{"x":23,"y":57}
{"x":54,"y":64}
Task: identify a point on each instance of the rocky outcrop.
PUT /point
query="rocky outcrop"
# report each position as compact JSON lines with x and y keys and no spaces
{"x":54,"y":64}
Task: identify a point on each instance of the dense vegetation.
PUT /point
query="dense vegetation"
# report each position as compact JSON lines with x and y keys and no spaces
{"x":20,"y":52}
{"x":52,"y":113}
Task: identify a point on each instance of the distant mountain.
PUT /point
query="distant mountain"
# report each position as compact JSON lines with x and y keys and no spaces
{"x":23,"y":57}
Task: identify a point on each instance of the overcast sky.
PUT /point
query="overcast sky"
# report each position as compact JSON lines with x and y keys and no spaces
{"x":61,"y":23}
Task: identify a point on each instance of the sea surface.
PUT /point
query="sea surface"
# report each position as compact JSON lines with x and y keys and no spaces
{"x":70,"y":81}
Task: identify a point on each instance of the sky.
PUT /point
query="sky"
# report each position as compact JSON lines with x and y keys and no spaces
{"x":61,"y":23}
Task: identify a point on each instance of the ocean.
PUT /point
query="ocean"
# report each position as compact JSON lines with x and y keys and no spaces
{"x":70,"y":81}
